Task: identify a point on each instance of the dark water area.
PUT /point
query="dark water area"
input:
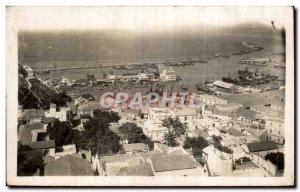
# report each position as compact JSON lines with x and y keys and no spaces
{"x":72,"y":49}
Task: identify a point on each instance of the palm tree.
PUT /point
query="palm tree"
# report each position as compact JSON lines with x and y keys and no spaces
{"x":170,"y":138}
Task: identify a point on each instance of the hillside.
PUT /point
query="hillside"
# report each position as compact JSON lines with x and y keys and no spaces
{"x":32,"y":94}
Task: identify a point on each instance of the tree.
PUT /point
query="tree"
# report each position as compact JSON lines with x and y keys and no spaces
{"x":62,"y":99}
{"x":22,"y":71}
{"x":88,"y":96}
{"x":29,"y":161}
{"x":175,"y":125}
{"x":134,"y":134}
{"x":100,"y":139}
{"x":217,"y":144}
{"x":110,"y":115}
{"x":170,"y":138}
{"x":277,"y":159}
{"x":196,"y":143}
{"x":61,"y":132}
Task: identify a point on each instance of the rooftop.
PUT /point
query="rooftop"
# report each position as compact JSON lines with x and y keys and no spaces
{"x":169,"y":162}
{"x":135,"y":147}
{"x":143,"y":169}
{"x":212,"y":150}
{"x":185,"y":111}
{"x":52,"y":105}
{"x":47,"y":120}
{"x":236,"y":132}
{"x":261,"y":146}
{"x":114,"y":158}
{"x":42,"y":144}
{"x":24,"y":135}
{"x":68,"y":165}
{"x":247,"y":113}
{"x":34,"y":126}
{"x":32,"y":113}
{"x":223,"y":84}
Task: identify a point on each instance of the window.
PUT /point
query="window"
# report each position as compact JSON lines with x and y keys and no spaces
{"x":270,"y":130}
{"x":278,"y":132}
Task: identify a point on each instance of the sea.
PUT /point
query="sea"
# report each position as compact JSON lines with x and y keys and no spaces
{"x":42,"y":50}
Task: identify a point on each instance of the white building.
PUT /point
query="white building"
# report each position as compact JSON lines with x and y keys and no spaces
{"x":186,"y":114}
{"x":211,"y":100}
{"x":224,"y":85}
{"x":168,"y":75}
{"x":146,"y":76}
{"x":218,"y":162}
{"x":275,"y":130}
{"x":66,"y":81}
{"x":256,"y":61}
{"x":158,"y":114}
{"x":63,"y":114}
{"x":154,"y":130}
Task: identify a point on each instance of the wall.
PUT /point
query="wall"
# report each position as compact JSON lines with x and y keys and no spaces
{"x":267,"y":165}
{"x":199,"y":171}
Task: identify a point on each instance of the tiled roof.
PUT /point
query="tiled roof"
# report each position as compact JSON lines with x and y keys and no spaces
{"x":135,"y":147}
{"x":68,"y":165}
{"x":114,"y":158}
{"x":261,"y":146}
{"x":143,"y":169}
{"x":172,"y":162}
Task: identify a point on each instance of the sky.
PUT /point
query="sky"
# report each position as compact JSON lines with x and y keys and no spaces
{"x":142,"y":19}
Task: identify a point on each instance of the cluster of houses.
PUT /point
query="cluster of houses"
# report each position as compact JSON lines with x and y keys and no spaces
{"x":166,"y":75}
{"x":258,"y":61}
{"x":249,"y":133}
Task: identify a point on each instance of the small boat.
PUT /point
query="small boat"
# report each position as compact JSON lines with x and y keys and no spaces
{"x":279,"y":65}
{"x":184,"y":88}
{"x":217,"y":55}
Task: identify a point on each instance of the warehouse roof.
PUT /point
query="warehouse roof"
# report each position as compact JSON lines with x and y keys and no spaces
{"x":223,"y":84}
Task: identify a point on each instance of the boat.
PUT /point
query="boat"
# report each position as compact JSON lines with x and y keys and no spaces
{"x":279,"y":65}
{"x":184,"y":88}
{"x":233,"y":81}
{"x":217,"y":55}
